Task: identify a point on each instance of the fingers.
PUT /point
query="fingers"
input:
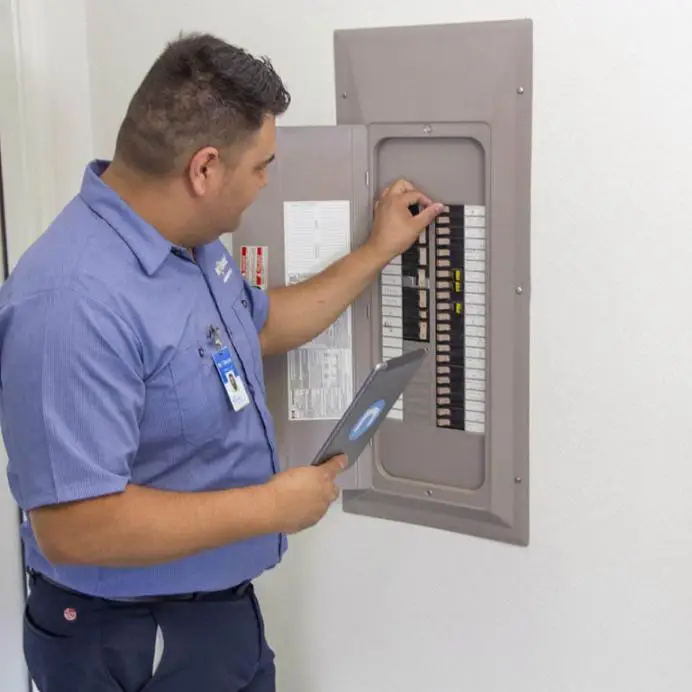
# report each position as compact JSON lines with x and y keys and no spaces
{"x":407,"y":191}
{"x":382,"y":197}
{"x":397,"y":188}
{"x":402,"y":191}
{"x":335,"y":466}
{"x":400,"y":186}
{"x":427,"y":215}
{"x":415,"y":197}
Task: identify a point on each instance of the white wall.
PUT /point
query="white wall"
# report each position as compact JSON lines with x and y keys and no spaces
{"x":45,"y":135}
{"x":46,"y":109}
{"x":11,"y":587}
{"x":601,"y":601}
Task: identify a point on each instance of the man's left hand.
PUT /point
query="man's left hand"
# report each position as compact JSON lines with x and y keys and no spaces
{"x":394,"y":228}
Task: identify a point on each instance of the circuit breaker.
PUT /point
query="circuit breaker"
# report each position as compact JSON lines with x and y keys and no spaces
{"x":450,"y":108}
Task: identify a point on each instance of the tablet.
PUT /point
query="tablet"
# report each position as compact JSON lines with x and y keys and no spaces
{"x":373,"y":401}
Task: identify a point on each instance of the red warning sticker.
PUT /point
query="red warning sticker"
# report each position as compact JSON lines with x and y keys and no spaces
{"x":253,"y":265}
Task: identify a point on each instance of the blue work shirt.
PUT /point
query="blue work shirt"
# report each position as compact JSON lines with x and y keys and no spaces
{"x":107,"y":378}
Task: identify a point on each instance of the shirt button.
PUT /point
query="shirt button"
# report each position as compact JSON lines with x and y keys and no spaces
{"x":244,"y":302}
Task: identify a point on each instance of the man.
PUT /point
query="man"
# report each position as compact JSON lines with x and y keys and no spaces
{"x":153,"y":491}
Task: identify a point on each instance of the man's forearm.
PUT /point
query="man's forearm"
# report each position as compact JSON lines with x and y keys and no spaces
{"x":144,"y":526}
{"x":300,"y":312}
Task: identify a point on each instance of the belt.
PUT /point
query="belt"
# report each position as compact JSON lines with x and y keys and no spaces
{"x":237,"y":591}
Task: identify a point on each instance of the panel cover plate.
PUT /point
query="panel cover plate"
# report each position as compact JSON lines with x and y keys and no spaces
{"x":450,"y":108}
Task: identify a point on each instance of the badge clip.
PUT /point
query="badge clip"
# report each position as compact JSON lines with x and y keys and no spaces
{"x":213,"y":334}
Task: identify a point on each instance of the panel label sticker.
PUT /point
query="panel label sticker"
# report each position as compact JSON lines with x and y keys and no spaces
{"x":320,"y":373}
{"x":253,"y":264}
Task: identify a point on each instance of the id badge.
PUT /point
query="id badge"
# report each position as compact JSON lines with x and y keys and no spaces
{"x":231,"y":379}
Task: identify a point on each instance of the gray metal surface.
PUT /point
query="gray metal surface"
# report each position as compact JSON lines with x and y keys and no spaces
{"x":451,"y":165}
{"x":450,"y":107}
{"x":312,"y":164}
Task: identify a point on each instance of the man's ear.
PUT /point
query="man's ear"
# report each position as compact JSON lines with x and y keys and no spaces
{"x":204,"y":171}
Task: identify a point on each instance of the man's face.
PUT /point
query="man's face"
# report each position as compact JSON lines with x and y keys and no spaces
{"x":225,"y":183}
{"x":233,"y":182}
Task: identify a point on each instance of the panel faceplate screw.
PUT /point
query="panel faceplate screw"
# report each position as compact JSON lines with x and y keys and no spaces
{"x":518,"y":480}
{"x":344,"y":95}
{"x":428,"y":493}
{"x":520,"y":90}
{"x":427,"y":130}
{"x":519,"y":290}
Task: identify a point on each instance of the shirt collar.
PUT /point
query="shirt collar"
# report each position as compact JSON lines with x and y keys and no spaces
{"x":149,"y":247}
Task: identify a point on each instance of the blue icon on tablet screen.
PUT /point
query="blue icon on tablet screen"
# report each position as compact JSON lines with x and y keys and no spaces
{"x":367,"y":420}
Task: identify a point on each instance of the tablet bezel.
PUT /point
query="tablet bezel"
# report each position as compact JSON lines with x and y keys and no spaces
{"x":333,"y":445}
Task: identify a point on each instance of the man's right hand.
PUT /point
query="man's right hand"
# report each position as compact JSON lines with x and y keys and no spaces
{"x":302,"y":496}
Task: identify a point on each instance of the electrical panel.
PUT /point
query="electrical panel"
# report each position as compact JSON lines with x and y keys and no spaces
{"x":448,"y":107}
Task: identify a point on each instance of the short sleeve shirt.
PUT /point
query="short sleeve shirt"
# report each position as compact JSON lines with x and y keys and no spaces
{"x":107,"y":377}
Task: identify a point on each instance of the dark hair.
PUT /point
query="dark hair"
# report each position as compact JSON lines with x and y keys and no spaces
{"x":201,"y":91}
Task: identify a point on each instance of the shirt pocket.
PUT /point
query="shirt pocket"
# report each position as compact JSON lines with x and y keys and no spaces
{"x":251,"y":352}
{"x":202,"y":402}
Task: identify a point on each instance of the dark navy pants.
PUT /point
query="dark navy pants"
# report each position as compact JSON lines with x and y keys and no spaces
{"x":215,"y":643}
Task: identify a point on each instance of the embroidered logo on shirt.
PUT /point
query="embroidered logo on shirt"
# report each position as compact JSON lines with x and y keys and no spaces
{"x":221,"y":269}
{"x":221,"y":265}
